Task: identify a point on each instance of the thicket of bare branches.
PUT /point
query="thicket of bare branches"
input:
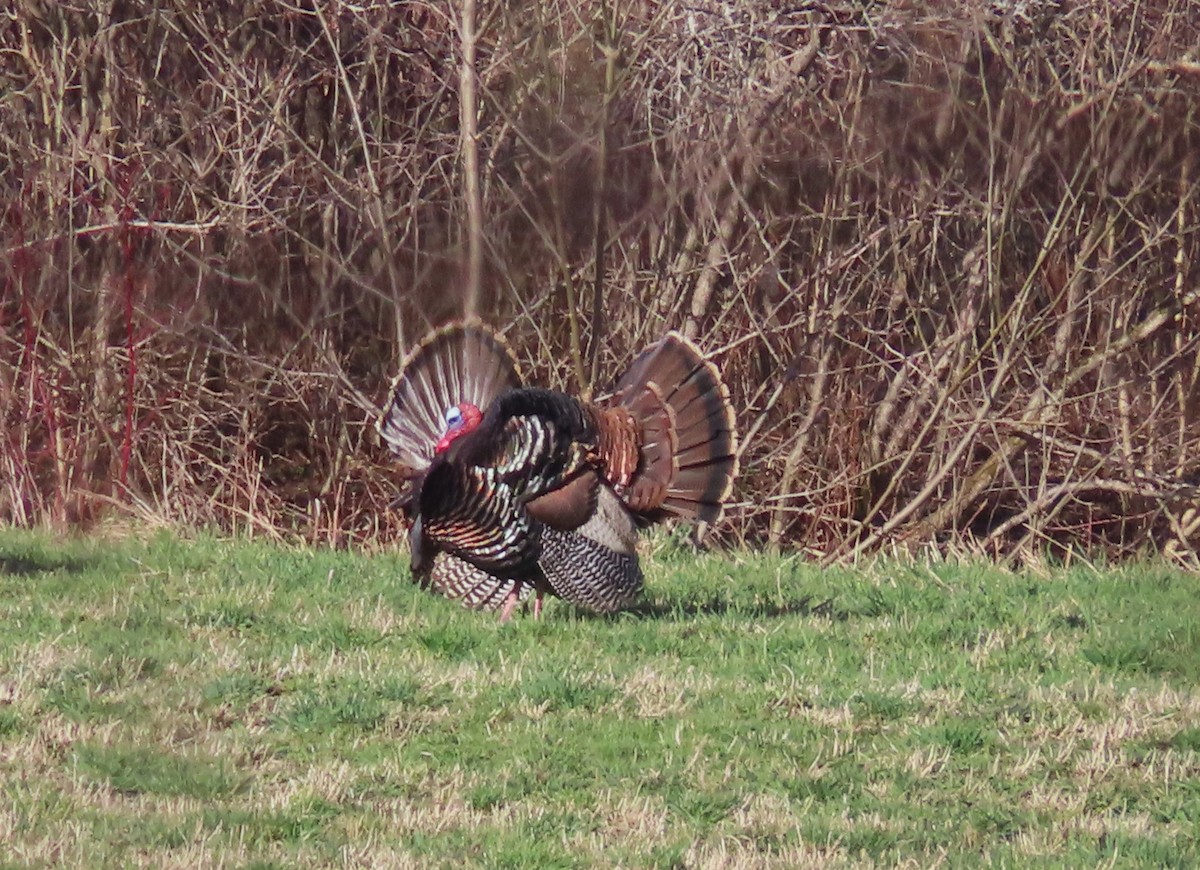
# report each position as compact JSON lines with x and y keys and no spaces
{"x":946,"y":252}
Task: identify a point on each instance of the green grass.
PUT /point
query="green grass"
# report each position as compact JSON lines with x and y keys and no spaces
{"x":185,"y":703}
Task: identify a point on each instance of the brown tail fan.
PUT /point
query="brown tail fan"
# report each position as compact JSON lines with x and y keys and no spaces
{"x":460,"y":362}
{"x":688,"y":452}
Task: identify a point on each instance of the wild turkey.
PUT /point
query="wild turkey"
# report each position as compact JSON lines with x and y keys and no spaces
{"x":459,"y":363}
{"x":541,"y":491}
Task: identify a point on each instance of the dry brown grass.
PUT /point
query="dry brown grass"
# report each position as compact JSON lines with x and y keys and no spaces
{"x":945,"y":253}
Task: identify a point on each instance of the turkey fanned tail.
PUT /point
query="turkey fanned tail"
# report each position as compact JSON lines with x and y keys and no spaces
{"x":687,"y":449}
{"x":460,"y":362}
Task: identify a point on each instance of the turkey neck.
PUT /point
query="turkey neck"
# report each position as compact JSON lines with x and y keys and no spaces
{"x":571,"y":420}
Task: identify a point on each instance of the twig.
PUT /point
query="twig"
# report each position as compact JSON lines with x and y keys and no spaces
{"x":469,"y":145}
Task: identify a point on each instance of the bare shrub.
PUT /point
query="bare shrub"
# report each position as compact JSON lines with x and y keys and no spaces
{"x":945,"y":251}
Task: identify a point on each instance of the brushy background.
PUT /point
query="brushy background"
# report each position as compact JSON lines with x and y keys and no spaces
{"x":945,"y":252}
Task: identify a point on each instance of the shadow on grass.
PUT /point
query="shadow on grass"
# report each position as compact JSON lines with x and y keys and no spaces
{"x":680,"y":610}
{"x":13,"y":565}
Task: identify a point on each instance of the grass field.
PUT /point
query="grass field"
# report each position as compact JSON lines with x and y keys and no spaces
{"x":186,"y":703}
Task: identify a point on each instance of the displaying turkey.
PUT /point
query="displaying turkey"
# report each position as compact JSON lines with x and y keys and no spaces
{"x":459,"y":363}
{"x":514,"y":489}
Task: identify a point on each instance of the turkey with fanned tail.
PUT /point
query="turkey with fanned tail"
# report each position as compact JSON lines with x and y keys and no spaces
{"x":515,"y":490}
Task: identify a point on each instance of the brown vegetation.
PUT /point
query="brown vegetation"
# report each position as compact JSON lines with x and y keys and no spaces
{"x":946,"y":252}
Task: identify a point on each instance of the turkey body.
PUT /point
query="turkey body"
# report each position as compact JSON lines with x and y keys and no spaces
{"x":534,"y":491}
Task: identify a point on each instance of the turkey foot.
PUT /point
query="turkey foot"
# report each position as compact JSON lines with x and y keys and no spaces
{"x":510,"y":602}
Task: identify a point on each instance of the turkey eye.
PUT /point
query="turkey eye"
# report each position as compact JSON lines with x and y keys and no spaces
{"x":453,"y":417}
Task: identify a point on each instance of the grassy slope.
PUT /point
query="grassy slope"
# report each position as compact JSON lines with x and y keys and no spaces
{"x":169,"y":703}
